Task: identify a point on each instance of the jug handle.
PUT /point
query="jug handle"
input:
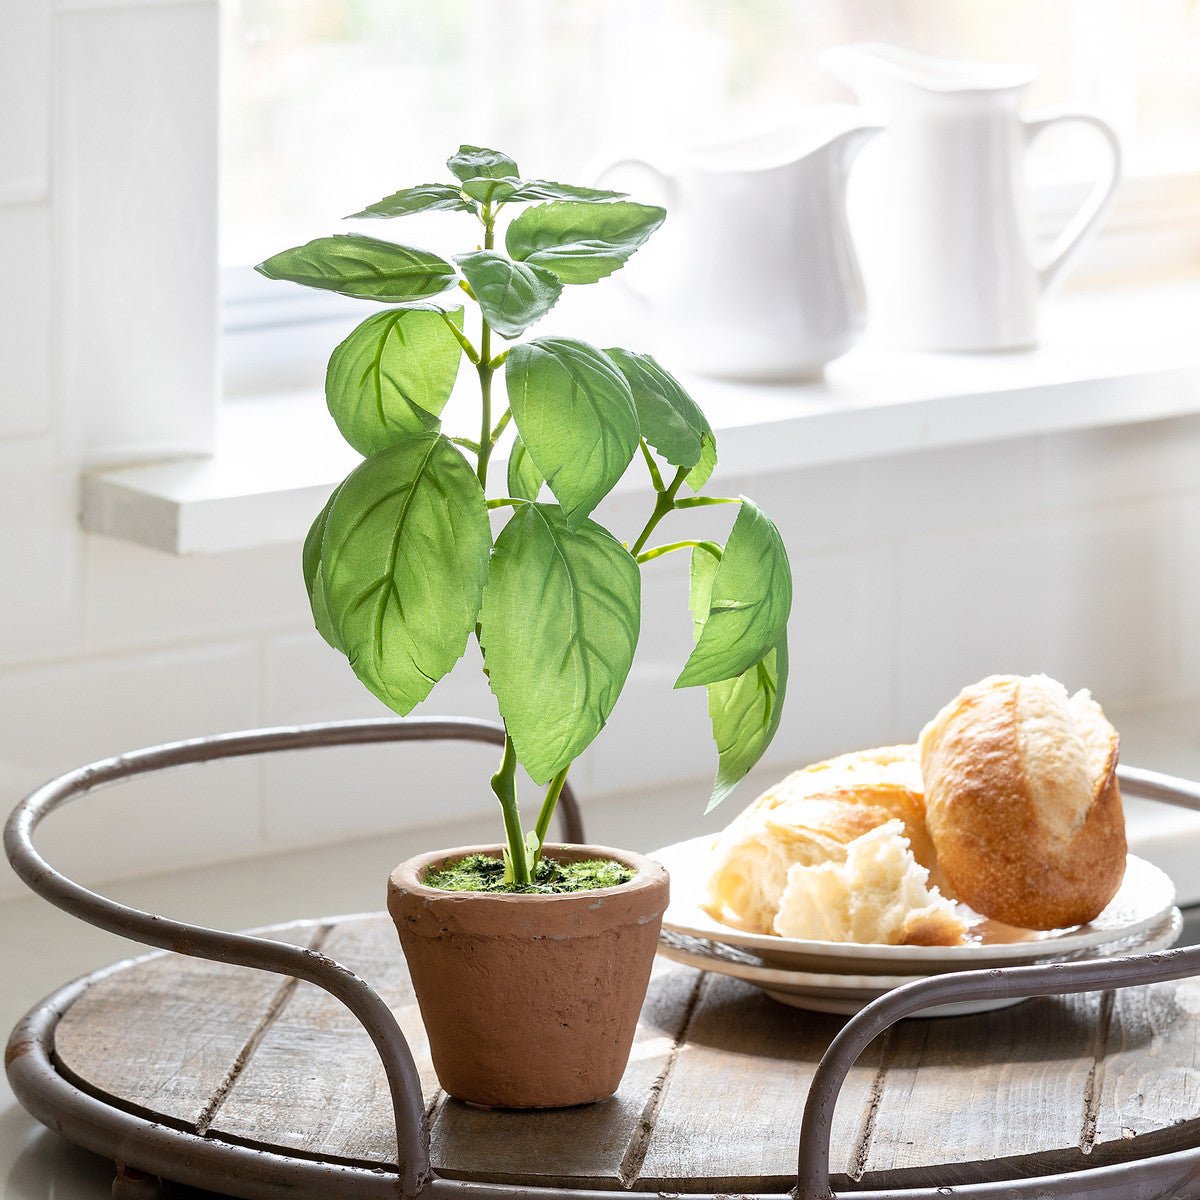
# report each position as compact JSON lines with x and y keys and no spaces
{"x":1097,"y":202}
{"x":601,"y":173}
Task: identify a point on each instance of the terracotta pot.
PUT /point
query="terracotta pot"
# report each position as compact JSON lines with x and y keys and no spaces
{"x":530,"y":1001}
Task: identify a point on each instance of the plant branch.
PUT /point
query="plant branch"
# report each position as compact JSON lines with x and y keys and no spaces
{"x":553,"y":791}
{"x":501,"y":425}
{"x":466,"y":444}
{"x":506,"y":502}
{"x":658,"y":551}
{"x":504,"y":784}
{"x":701,"y":501}
{"x":663,"y":505}
{"x":655,"y":477}
{"x":461,"y":338}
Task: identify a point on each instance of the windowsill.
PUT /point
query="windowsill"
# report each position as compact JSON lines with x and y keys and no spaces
{"x":1107,"y":358}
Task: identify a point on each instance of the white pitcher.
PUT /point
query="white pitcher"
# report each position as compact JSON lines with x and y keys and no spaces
{"x":753,"y":275}
{"x":943,"y":228}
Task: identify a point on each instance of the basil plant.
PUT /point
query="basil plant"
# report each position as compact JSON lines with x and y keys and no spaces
{"x":401,"y":564}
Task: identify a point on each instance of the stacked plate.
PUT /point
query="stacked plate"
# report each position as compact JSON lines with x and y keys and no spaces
{"x":843,"y":977}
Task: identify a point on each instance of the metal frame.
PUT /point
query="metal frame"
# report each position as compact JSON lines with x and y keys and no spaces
{"x":207,"y":1161}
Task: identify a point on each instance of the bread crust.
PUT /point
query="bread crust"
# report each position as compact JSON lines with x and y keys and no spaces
{"x":993,"y":846}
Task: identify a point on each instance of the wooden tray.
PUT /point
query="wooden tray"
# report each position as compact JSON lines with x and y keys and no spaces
{"x":712,"y":1099}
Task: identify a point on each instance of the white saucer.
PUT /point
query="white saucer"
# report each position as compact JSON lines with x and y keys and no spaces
{"x":847,"y":994}
{"x":1145,"y":897}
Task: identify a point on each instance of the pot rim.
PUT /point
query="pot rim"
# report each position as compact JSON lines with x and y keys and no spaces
{"x":648,"y":873}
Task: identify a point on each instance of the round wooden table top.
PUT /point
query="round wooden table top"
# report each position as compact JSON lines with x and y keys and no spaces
{"x":711,"y":1100}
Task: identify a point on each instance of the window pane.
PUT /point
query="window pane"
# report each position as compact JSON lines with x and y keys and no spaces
{"x":330,"y":106}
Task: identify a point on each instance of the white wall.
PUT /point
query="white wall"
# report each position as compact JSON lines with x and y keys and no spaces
{"x":1074,"y":554}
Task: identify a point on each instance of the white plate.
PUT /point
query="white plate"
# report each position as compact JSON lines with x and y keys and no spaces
{"x":847,"y":994}
{"x":1146,"y":895}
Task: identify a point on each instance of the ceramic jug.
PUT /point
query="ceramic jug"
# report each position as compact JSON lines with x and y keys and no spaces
{"x":941,"y":213}
{"x":753,"y":275}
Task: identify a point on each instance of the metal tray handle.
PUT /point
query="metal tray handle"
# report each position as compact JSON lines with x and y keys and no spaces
{"x":412,"y":1133}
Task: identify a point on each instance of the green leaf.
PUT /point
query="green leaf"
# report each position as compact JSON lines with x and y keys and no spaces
{"x":581,"y":242}
{"x":512,"y":294}
{"x":314,"y":580}
{"x":745,"y":714}
{"x":425,"y":197}
{"x":524,"y":479}
{"x":533,"y":844}
{"x":576,"y":415}
{"x":545,"y":189}
{"x":477,"y":162}
{"x":559,"y":626}
{"x":671,"y":420}
{"x":698,"y":476}
{"x":392,"y":376}
{"x":365,"y":267}
{"x":404,"y":558}
{"x":491,"y":191}
{"x":750,"y":602}
{"x":745,"y":711}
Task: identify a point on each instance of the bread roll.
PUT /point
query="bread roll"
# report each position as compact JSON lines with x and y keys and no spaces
{"x":878,"y":894}
{"x":809,"y":818}
{"x":1022,"y":802}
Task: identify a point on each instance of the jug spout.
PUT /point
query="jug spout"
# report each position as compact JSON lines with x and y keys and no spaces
{"x":882,"y":75}
{"x":846,"y":145}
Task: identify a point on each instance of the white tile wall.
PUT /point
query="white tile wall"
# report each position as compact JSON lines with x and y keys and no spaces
{"x":24,"y":312}
{"x":41,"y":613}
{"x":61,"y":715}
{"x":24,"y":100}
{"x":1078,"y":554}
{"x":140,"y":597}
{"x":1186,"y":589}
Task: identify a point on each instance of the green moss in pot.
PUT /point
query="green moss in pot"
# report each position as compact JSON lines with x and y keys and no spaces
{"x":530,"y":961}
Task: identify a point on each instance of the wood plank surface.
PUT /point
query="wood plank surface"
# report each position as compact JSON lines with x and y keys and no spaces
{"x":315,"y":1083}
{"x":731,"y":1109}
{"x":165,"y":1035}
{"x":599,"y":1145}
{"x":964,"y":1092}
{"x":1149,"y":1087}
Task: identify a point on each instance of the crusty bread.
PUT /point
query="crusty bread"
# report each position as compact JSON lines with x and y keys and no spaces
{"x":879,"y":894}
{"x":808,"y":818}
{"x":1022,"y":801}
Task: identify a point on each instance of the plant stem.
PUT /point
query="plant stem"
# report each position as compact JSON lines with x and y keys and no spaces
{"x":505,"y":502}
{"x":485,"y":368}
{"x":504,"y":784}
{"x":663,"y":505}
{"x":658,"y":551}
{"x":553,"y":791}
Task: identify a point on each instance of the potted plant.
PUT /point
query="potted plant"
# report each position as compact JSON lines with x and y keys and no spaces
{"x":530,"y":960}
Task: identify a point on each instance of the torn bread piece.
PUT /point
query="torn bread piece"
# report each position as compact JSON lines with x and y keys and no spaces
{"x":808,"y":818}
{"x":880,"y":894}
